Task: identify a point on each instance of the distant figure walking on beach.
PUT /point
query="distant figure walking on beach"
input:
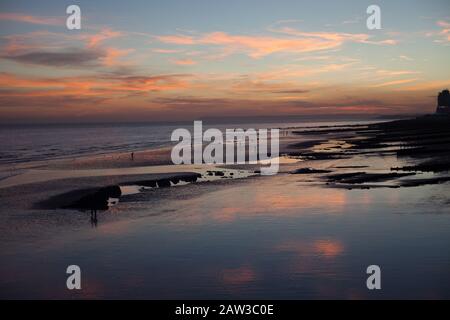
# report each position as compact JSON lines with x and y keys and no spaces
{"x":94,"y":217}
{"x":132,"y":156}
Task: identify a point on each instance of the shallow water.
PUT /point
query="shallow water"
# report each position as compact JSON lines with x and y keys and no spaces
{"x":269,"y":237}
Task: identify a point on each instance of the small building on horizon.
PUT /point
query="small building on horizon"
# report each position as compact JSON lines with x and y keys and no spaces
{"x":443,"y":103}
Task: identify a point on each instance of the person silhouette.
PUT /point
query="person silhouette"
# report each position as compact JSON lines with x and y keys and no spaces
{"x":94,"y":218}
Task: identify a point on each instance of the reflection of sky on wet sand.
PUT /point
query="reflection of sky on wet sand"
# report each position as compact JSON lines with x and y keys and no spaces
{"x":268,"y":198}
{"x":238,"y":276}
{"x":265,"y":238}
{"x":327,"y":248}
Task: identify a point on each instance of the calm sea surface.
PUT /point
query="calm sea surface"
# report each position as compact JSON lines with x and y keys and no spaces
{"x":27,"y":143}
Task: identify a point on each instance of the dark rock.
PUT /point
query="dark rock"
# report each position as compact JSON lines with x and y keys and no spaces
{"x":147,"y":183}
{"x":191,"y":177}
{"x":309,"y":171}
{"x":97,"y":200}
{"x":363,"y":177}
{"x":164,"y":183}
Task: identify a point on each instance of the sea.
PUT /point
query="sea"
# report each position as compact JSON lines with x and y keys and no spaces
{"x":38,"y":142}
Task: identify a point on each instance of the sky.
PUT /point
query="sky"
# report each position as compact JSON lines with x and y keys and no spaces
{"x":185,"y":60}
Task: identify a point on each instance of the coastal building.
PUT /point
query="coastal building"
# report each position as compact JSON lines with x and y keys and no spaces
{"x":443,"y":105}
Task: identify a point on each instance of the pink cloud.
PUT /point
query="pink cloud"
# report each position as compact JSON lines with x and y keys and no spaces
{"x":185,"y":62}
{"x":388,"y":41}
{"x":18,"y":17}
{"x":176,"y":39}
{"x":168,"y":51}
{"x":90,"y":86}
{"x":443,"y":35}
{"x":446,"y":29}
{"x":393,"y":83}
{"x":106,"y":34}
{"x":257,"y":46}
{"x":113,"y":54}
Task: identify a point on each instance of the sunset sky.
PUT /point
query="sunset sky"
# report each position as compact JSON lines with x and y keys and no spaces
{"x":182,"y":60}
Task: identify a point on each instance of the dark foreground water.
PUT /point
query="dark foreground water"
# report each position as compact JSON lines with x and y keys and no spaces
{"x":280,"y":237}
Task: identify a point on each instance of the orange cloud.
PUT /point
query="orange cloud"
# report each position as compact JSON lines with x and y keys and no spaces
{"x":336,"y":36}
{"x":112,"y":54}
{"x":431,"y":86}
{"x":259,"y":46}
{"x":89,"y":86}
{"x":165,"y":50}
{"x":391,"y":73}
{"x":185,"y":62}
{"x":393,"y":83}
{"x":18,"y":17}
{"x":388,"y":42}
{"x":299,"y":71}
{"x":96,"y":39}
{"x":256,"y":46}
{"x":12,"y":81}
{"x":176,"y":39}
